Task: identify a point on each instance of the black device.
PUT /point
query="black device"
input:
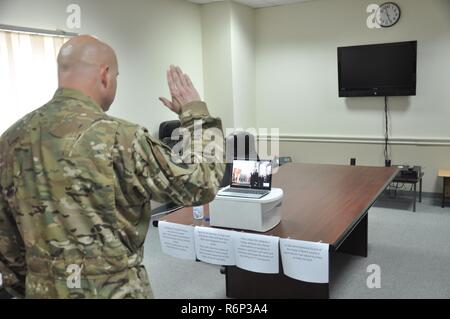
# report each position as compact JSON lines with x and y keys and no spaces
{"x":387,"y":163}
{"x":387,"y":69}
{"x":250,"y":179}
{"x":409,"y":172}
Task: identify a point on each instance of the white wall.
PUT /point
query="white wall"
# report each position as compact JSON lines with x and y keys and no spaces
{"x":244,"y":67}
{"x":229,"y":62}
{"x":296,"y":82}
{"x":431,"y":158}
{"x":297,"y":89}
{"x":273,"y":67}
{"x":217,"y":60}
{"x":148,"y":36}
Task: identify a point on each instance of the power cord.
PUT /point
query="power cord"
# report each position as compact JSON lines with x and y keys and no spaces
{"x":386,"y":133}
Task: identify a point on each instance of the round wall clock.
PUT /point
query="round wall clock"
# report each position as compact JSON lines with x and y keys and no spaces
{"x":388,"y":14}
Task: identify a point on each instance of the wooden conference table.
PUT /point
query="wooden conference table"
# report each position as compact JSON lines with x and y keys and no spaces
{"x":327,"y":203}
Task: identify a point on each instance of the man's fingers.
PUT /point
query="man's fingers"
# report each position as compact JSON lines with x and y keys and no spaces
{"x":171,"y":81}
{"x":166,"y":102}
{"x":176,"y":78}
{"x":182,"y":77}
{"x":188,"y":81}
{"x":170,"y":105}
{"x":181,"y":88}
{"x":192,"y":88}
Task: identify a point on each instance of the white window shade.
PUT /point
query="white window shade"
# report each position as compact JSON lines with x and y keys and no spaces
{"x":28,"y":73}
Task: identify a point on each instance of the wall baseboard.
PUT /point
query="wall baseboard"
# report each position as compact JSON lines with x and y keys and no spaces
{"x":415,"y":141}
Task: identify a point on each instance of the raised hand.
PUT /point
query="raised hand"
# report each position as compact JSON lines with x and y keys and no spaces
{"x":181,"y":89}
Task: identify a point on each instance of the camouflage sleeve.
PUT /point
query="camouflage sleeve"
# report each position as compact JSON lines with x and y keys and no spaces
{"x":12,"y":254}
{"x":189,"y":174}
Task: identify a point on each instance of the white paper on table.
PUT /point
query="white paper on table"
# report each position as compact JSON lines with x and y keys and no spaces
{"x":214,"y":246}
{"x":257,"y":253}
{"x":177,"y":240}
{"x":305,"y":261}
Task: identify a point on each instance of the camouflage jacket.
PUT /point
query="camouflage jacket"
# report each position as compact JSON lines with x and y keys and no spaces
{"x":75,"y":191}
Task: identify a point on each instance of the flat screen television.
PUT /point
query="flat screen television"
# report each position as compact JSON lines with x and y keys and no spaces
{"x":387,"y":69}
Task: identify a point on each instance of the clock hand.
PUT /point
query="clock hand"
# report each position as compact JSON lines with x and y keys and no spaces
{"x":388,"y":16}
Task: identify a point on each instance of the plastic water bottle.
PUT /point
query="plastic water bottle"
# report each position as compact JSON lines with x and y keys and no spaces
{"x":198,"y":212}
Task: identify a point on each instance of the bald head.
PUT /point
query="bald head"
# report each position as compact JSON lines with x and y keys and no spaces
{"x":90,"y":66}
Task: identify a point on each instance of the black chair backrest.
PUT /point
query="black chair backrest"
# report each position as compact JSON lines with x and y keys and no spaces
{"x":165,"y":132}
{"x":241,"y":145}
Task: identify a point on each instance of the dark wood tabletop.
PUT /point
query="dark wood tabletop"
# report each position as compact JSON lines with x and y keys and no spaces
{"x":321,"y":202}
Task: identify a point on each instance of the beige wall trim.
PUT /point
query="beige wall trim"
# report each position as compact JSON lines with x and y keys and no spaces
{"x":361,"y":140}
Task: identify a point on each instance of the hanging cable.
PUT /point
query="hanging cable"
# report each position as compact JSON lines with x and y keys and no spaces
{"x":386,"y":134}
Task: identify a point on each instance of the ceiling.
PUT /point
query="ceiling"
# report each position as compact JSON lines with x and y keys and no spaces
{"x":255,"y":3}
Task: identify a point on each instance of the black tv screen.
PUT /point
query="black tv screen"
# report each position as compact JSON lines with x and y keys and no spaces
{"x":378,"y":70}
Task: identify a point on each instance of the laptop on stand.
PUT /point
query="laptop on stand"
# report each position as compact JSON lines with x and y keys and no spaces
{"x":249,"y":179}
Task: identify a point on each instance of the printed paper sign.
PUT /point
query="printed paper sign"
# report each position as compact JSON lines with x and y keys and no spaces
{"x":214,"y":246}
{"x":305,"y":261}
{"x":177,"y":240}
{"x":258,"y":253}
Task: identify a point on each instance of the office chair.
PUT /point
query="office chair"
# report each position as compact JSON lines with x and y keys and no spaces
{"x":165,"y":132}
{"x":238,"y":146}
{"x":165,"y":135}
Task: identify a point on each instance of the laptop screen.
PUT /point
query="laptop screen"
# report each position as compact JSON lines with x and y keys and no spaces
{"x":252,"y":174}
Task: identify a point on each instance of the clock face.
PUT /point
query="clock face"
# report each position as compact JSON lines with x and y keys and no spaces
{"x":388,"y":14}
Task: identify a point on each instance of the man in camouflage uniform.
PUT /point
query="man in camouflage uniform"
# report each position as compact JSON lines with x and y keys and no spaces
{"x":76,"y":184}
